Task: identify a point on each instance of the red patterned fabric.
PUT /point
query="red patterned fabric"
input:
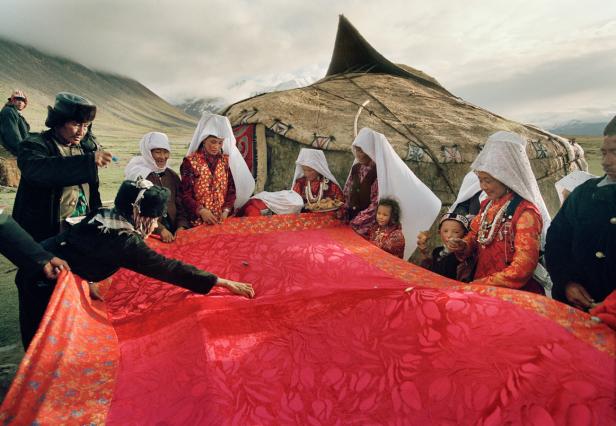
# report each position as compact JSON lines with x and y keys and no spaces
{"x":246,"y":140}
{"x":340,"y":332}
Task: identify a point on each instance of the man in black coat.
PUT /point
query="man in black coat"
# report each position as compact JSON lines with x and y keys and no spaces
{"x":59,"y":169}
{"x":13,"y":126}
{"x":581,"y":242}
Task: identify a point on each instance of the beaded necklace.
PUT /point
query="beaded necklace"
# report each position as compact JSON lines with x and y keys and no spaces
{"x":308,"y":191}
{"x":487,"y":229}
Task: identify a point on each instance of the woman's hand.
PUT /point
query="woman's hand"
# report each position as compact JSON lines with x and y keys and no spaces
{"x":456,"y":245}
{"x":242,"y":289}
{"x":207,"y":216}
{"x":166,"y":236}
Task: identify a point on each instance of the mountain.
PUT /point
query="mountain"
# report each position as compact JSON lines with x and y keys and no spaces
{"x":579,"y":128}
{"x":126,"y":108}
{"x":196,"y":106}
{"x":237,"y":91}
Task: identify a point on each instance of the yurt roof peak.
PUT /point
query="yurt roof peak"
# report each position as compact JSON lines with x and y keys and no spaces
{"x":353,"y":54}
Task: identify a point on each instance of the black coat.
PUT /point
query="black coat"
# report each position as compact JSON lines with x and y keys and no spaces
{"x":581,"y":241}
{"x":96,"y":255}
{"x":44,"y":174}
{"x":13,"y":128}
{"x":19,"y":247}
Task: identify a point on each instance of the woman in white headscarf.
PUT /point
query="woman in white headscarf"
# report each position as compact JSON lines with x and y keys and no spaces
{"x":566,"y":185}
{"x":378,"y":172}
{"x":315,"y":182}
{"x":152,"y":165}
{"x":323,"y":193}
{"x":215,"y":178}
{"x":506,"y":236}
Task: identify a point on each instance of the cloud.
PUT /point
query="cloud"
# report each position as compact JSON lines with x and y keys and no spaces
{"x":182,"y":48}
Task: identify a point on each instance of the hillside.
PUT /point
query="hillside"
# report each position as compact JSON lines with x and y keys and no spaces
{"x":126,"y":108}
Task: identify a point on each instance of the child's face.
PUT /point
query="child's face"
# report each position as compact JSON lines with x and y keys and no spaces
{"x":451,"y":229}
{"x":383,"y":215}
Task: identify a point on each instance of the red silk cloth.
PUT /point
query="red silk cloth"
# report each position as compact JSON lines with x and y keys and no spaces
{"x":340,"y":332}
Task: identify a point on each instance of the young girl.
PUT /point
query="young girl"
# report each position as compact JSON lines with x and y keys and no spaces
{"x":386,"y":233}
{"x":443,"y":261}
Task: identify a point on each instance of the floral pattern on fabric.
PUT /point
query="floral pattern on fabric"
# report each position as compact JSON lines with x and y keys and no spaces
{"x":203,"y":187}
{"x":340,"y":332}
{"x":68,"y":373}
{"x":388,"y":238}
{"x":505,"y":261}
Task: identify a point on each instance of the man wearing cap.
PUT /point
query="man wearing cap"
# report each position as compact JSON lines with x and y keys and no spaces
{"x":110,"y":239}
{"x":13,"y":126}
{"x":59,"y":169}
{"x":581,"y":243}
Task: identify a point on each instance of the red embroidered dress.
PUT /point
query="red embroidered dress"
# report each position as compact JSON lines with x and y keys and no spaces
{"x":389,"y":238}
{"x":511,"y":257}
{"x":333,"y":191}
{"x":206,"y":182}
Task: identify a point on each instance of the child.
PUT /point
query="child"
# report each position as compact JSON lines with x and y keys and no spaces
{"x":442,"y":261}
{"x":386,"y":233}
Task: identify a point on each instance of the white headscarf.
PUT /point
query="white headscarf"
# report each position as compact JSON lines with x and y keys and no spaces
{"x":504,"y":158}
{"x":470,"y":186}
{"x":570,"y":182}
{"x":419,"y":207}
{"x":144,"y":164}
{"x":219,"y":126}
{"x":282,"y":202}
{"x":315,"y":159}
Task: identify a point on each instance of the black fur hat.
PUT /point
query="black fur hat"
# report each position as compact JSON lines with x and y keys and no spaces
{"x":70,"y":107}
{"x":152,"y":203}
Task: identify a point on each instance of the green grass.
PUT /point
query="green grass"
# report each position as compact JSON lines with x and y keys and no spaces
{"x":592,"y":152}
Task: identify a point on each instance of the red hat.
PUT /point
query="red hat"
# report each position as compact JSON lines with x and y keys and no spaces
{"x":18,"y":94}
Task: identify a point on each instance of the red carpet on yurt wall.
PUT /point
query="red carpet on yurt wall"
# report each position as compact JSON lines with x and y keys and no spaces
{"x":340,"y":332}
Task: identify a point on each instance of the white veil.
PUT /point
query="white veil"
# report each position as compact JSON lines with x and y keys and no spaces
{"x":144,"y":164}
{"x":419,"y":207}
{"x":504,"y":157}
{"x":315,"y":159}
{"x":219,"y":126}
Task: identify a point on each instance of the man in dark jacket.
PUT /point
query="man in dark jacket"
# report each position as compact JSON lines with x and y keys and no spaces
{"x":13,"y":126}
{"x":581,"y":241}
{"x":59,"y":169}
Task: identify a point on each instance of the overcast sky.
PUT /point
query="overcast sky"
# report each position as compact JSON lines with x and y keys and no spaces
{"x":540,"y":61}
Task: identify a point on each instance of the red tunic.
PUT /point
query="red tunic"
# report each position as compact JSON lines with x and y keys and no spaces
{"x":389,"y":238}
{"x":206,"y":182}
{"x":512,"y":256}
